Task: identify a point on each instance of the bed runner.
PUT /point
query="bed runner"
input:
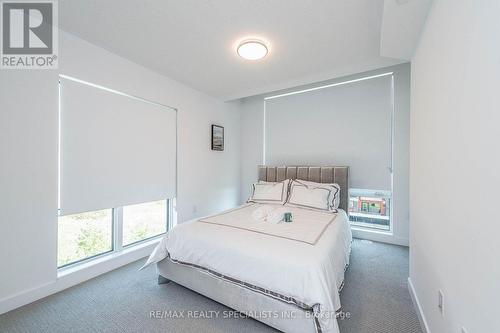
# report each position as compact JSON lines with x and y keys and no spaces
{"x":307,"y":226}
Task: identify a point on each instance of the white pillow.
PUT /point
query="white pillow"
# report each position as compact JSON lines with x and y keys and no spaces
{"x":334,"y":187}
{"x":308,"y":195}
{"x":270,"y":192}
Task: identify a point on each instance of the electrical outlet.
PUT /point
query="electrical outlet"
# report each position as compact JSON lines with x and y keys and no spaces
{"x":441,"y":302}
{"x":195,"y":209}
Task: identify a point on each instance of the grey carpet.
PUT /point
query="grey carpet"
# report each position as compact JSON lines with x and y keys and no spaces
{"x":376,"y":291}
{"x":375,"y":295}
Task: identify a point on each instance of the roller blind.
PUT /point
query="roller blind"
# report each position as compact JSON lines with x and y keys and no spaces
{"x":115,"y":149}
{"x":347,"y":124}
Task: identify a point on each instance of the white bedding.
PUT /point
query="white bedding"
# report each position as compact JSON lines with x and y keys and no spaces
{"x":280,"y":262}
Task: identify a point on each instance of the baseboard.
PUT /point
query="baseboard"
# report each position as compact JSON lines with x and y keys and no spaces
{"x":418,"y":308}
{"x":72,"y":276}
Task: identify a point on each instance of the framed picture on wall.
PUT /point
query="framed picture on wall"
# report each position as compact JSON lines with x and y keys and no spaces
{"x":217,"y":138}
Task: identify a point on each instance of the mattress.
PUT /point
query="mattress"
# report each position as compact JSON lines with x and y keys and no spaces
{"x":301,"y":263}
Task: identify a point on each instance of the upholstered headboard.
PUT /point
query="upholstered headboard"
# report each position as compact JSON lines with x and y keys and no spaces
{"x":327,"y":174}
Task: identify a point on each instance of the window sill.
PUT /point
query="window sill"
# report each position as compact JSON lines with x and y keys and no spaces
{"x":112,"y":260}
{"x":378,"y":236}
{"x":372,"y":230}
{"x":370,"y":226}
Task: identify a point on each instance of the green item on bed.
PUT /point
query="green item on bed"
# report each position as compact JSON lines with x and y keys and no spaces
{"x":288,"y":217}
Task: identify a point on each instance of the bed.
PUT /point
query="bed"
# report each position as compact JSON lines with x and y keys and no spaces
{"x":288,"y":276}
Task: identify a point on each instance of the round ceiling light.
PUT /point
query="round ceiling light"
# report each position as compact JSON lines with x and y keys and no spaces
{"x":252,"y":49}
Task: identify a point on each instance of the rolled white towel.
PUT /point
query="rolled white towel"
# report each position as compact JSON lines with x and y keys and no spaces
{"x":262,"y":213}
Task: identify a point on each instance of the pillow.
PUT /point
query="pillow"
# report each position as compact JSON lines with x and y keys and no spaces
{"x":311,"y":195}
{"x":334,"y":187}
{"x":270,"y":192}
{"x":301,"y":195}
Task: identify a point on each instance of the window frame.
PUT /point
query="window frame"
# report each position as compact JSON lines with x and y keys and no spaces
{"x":92,"y":257}
{"x":167,"y":224}
{"x":117,"y":245}
{"x":357,"y":192}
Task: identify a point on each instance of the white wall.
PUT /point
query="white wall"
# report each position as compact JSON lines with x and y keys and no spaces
{"x":455,"y":166}
{"x":252,"y":118}
{"x":207,"y":180}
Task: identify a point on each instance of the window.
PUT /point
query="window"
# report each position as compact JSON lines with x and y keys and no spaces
{"x":370,"y":209}
{"x":86,"y":235}
{"x":126,"y":172}
{"x":144,"y":221}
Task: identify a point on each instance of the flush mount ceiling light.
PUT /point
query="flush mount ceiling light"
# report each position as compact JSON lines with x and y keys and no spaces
{"x":252,"y":49}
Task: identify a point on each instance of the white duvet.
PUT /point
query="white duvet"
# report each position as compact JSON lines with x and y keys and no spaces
{"x":308,"y":269}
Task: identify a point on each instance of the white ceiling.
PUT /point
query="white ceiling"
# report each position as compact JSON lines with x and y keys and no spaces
{"x":193,"y":41}
{"x":402,"y":23}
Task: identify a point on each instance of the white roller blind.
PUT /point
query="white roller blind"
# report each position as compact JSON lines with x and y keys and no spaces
{"x":115,"y":149}
{"x":347,"y":124}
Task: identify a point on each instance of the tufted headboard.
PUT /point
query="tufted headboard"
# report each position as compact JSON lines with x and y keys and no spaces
{"x":327,"y":174}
